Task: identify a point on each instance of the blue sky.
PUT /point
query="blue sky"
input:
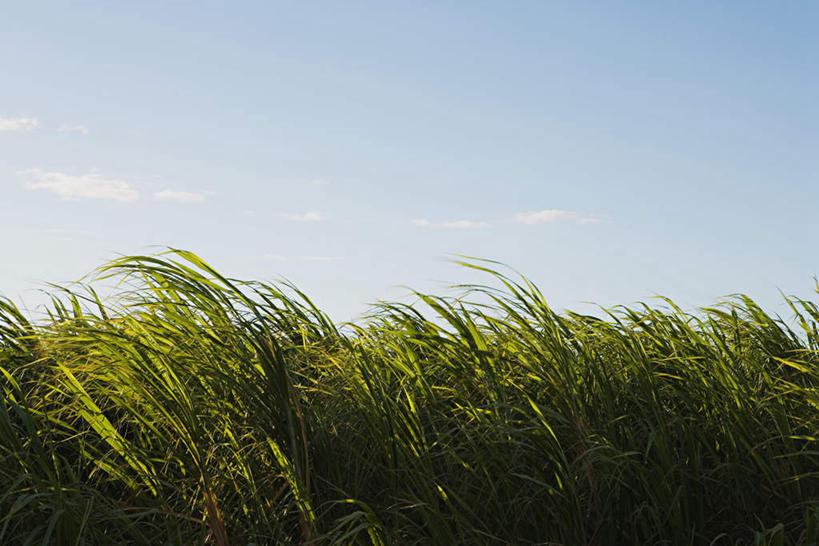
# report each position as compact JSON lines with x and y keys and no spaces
{"x":611,"y":153}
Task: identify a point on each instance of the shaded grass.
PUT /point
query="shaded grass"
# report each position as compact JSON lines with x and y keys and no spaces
{"x":193,"y":408}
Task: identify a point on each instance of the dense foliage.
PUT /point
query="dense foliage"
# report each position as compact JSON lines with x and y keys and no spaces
{"x":191,"y":408}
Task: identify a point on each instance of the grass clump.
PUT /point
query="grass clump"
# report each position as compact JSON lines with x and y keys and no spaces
{"x":193,"y":408}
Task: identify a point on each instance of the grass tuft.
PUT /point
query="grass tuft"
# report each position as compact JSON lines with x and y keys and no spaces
{"x":193,"y":408}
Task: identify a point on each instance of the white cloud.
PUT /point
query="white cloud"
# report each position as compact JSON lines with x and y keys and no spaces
{"x":86,"y":186}
{"x":553,"y":215}
{"x":179,"y":196}
{"x":464,"y":224}
{"x":454,"y":224}
{"x":309,"y":216}
{"x":68,"y":128}
{"x":18,"y":124}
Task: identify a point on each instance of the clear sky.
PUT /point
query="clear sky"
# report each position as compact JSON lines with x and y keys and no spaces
{"x":609,"y":151}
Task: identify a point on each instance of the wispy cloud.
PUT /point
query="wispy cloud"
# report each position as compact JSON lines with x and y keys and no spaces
{"x":86,"y":186}
{"x":309,"y":216}
{"x":554,"y":215}
{"x":18,"y":124}
{"x":453,"y":224}
{"x":69,"y":128}
{"x":179,"y":196}
{"x":464,"y":224}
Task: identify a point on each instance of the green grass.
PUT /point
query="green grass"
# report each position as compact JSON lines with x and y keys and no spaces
{"x":191,"y":408}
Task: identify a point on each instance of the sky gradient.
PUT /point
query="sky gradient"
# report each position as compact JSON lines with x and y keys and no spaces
{"x":610,"y":154}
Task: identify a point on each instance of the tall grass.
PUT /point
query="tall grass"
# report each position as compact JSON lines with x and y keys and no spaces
{"x":193,"y":408}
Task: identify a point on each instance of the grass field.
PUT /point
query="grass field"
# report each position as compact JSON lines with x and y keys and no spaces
{"x":190,"y":408}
